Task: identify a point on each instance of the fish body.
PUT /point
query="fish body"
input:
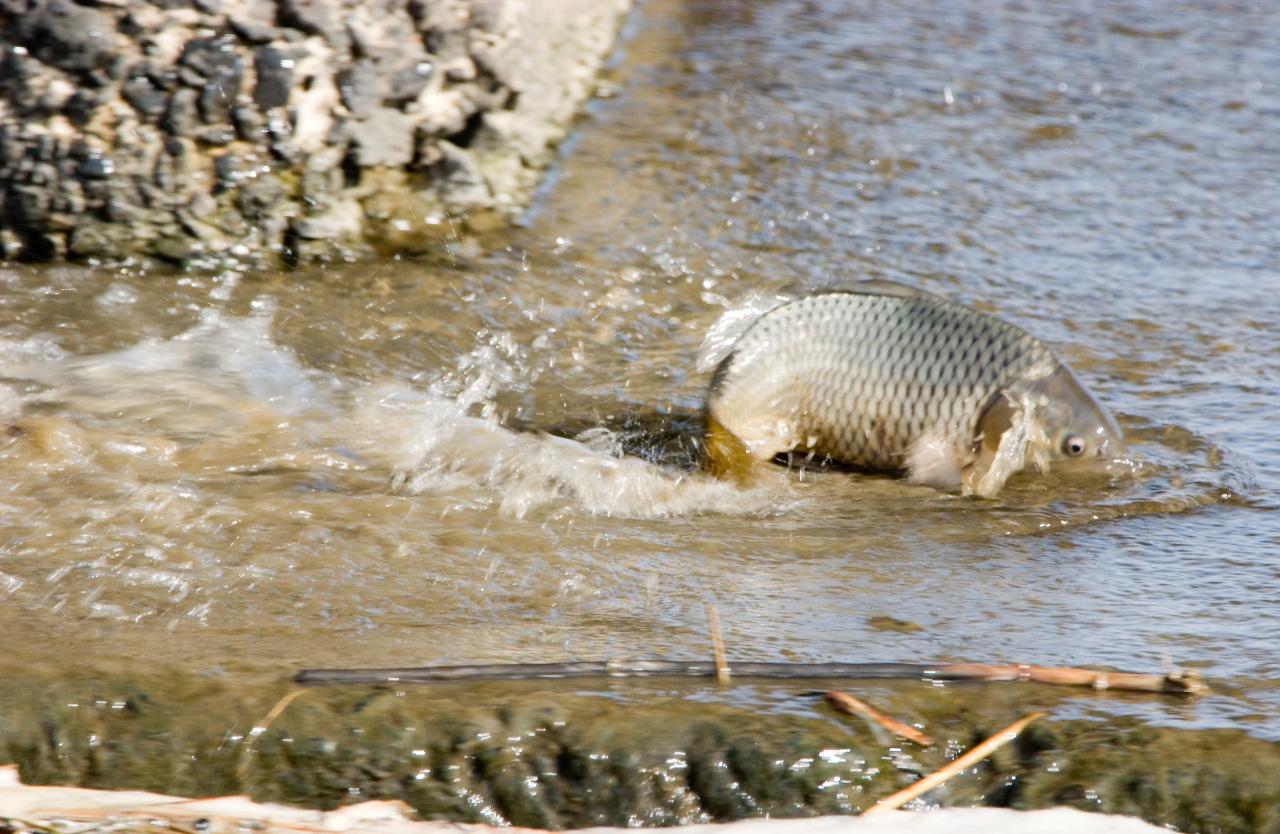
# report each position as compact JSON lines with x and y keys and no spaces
{"x":884,"y":377}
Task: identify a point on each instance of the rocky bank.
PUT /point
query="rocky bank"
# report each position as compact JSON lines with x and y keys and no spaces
{"x":280,"y":130}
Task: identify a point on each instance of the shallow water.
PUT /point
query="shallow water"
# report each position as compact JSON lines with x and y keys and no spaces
{"x":244,"y":474}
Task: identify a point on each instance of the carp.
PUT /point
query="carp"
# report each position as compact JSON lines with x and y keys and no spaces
{"x":885,"y":377}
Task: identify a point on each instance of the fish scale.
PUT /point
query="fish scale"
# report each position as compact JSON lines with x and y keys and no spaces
{"x":861,"y":376}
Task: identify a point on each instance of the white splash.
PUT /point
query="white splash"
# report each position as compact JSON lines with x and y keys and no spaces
{"x":224,"y":397}
{"x":219,"y":357}
{"x":436,"y":446}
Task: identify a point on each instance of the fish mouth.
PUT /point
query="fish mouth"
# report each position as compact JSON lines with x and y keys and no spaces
{"x":1108,"y":443}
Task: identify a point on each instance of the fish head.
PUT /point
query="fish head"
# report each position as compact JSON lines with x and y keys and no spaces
{"x":1074,"y":425}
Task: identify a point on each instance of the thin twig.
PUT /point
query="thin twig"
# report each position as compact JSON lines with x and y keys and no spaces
{"x":942,"y":774}
{"x":849,"y":705}
{"x":250,"y":744}
{"x":717,"y":644}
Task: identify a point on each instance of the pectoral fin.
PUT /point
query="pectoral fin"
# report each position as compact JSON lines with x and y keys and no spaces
{"x":935,"y":461}
{"x":980,"y":477}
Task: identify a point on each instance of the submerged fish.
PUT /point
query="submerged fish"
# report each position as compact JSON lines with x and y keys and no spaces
{"x":886,"y":377}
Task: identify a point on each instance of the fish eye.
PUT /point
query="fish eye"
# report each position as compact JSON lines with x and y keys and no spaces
{"x":1073,"y":445}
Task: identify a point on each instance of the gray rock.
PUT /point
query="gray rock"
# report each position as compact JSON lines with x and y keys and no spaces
{"x":28,"y":205}
{"x":120,"y":208}
{"x":227,"y":169}
{"x":81,"y":106}
{"x":11,"y":244}
{"x":383,"y":139}
{"x":216,"y":137}
{"x":258,"y":197}
{"x":343,"y":219}
{"x":68,"y":36}
{"x":274,"y":71}
{"x":93,"y":238}
{"x":461,"y":183}
{"x":249,"y":123}
{"x":315,"y":17}
{"x":361,"y":88}
{"x":95,"y":167}
{"x":282,"y":124}
{"x":214,"y":103}
{"x":254,"y":32}
{"x":408,"y":83}
{"x":182,"y":117}
{"x":214,"y":59}
{"x":144,"y":97}
{"x":207,"y":233}
{"x":178,"y":248}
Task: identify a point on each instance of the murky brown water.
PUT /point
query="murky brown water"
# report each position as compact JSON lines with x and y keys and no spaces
{"x":245,"y":474}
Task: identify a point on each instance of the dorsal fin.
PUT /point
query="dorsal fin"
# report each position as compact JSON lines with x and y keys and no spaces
{"x":878,"y":286}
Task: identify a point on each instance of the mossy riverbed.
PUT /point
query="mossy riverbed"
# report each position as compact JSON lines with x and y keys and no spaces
{"x":624,"y":753}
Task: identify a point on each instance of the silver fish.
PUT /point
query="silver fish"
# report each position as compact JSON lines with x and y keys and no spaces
{"x":886,"y":377}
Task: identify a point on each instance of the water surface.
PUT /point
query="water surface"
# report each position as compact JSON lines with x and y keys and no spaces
{"x":242,"y":474}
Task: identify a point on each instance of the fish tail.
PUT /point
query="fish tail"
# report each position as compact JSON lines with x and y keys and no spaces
{"x":726,"y":457}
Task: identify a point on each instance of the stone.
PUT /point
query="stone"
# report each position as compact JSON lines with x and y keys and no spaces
{"x":249,"y":123}
{"x":342,"y":220}
{"x":95,"y":167}
{"x":258,"y":196}
{"x":206,"y":233}
{"x":291,"y":116}
{"x":27,"y":204}
{"x":120,"y":208}
{"x":397,"y":221}
{"x":274,"y":71}
{"x":11,"y":244}
{"x":407,"y":84}
{"x":214,"y":103}
{"x":63,"y":34}
{"x":182,"y":117}
{"x":213,"y":59}
{"x":227,"y":169}
{"x":177,"y":248}
{"x":315,"y":17}
{"x":144,"y":97}
{"x":461,"y":183}
{"x":80,"y":108}
{"x":361,"y":88}
{"x":254,"y":31}
{"x":216,"y":137}
{"x":96,"y":238}
{"x":383,"y":139}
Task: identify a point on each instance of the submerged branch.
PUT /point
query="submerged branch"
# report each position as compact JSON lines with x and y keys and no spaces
{"x":1184,"y":682}
{"x":954,"y":766}
{"x":1174,"y":683}
{"x":250,"y":742}
{"x":951,"y":768}
{"x":849,"y":705}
